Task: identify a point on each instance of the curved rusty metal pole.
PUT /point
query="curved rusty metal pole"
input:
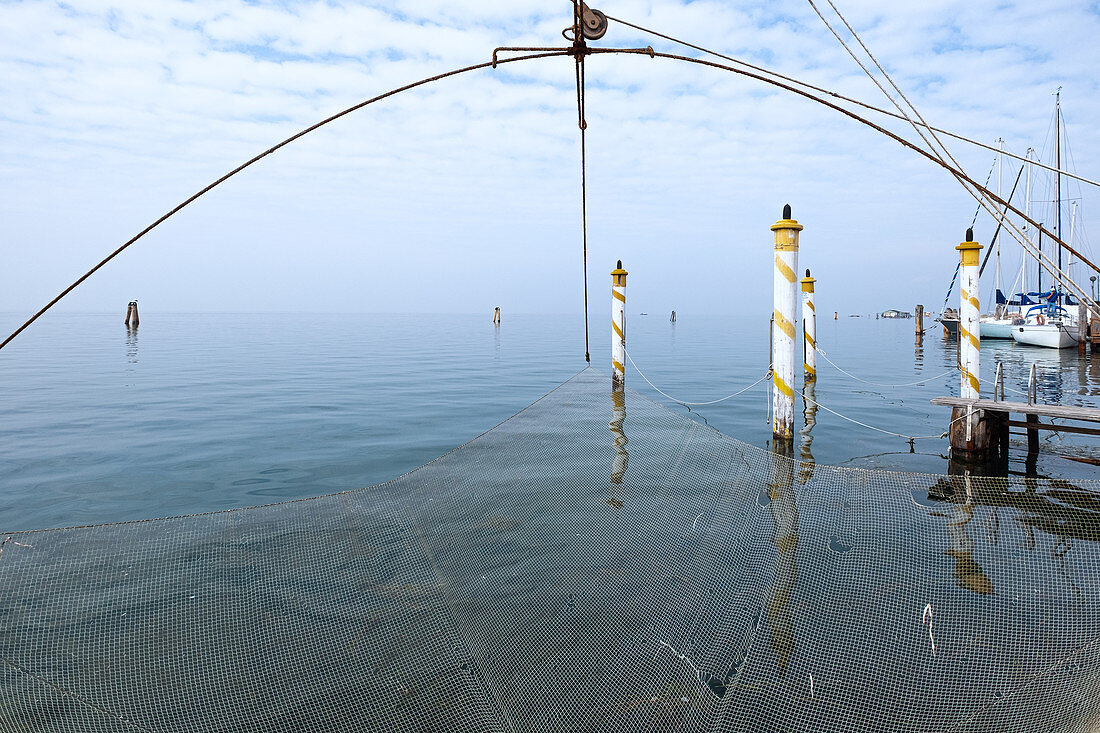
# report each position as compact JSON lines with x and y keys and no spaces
{"x":549,"y":53}
{"x":264,"y":154}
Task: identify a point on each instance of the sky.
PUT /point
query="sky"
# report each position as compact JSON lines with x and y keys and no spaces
{"x":465,"y":194}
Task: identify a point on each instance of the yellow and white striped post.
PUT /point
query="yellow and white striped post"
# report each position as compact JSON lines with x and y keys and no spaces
{"x":809,"y":328}
{"x":969,"y":306}
{"x":618,"y":325}
{"x":783,"y":336}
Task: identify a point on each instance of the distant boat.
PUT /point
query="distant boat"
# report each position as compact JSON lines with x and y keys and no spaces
{"x":950,"y":321}
{"x":999,"y":328}
{"x":1048,"y":323}
{"x":1050,"y":335}
{"x":896,"y":314}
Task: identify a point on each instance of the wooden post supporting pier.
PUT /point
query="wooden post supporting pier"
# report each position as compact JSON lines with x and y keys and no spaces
{"x":783,"y":328}
{"x":1082,"y":327}
{"x":618,"y":325}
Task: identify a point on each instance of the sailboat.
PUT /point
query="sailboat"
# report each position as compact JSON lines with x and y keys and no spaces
{"x":1049,"y":324}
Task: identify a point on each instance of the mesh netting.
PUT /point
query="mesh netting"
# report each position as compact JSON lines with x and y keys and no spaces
{"x":558,"y":575}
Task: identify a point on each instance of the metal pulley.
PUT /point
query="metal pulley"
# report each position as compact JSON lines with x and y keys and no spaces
{"x":593,"y":23}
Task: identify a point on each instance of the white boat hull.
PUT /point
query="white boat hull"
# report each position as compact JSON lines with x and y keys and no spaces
{"x":996,"y":329}
{"x":1050,"y":335}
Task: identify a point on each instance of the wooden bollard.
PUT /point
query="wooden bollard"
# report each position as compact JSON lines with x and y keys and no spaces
{"x":132,"y":314}
{"x":496,"y":315}
{"x":920,"y":320}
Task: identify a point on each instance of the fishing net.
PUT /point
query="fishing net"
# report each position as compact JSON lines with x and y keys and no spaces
{"x":595,"y":563}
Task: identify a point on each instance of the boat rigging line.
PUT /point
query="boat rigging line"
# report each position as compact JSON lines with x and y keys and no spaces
{"x":985,"y":198}
{"x":1000,"y":223}
{"x":837,"y":95}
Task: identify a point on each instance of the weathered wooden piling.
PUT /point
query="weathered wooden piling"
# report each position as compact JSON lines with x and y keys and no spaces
{"x":919,"y":313}
{"x":132,"y":319}
{"x":496,"y":315}
{"x":809,"y":329}
{"x":783,"y":330}
{"x":672,"y":318}
{"x":1082,"y":327}
{"x":618,"y":325}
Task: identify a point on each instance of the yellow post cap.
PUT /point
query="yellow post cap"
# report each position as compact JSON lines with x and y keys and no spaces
{"x":619,"y":269}
{"x":969,"y":243}
{"x":968,"y":250}
{"x":807,"y":283}
{"x":787,"y":222}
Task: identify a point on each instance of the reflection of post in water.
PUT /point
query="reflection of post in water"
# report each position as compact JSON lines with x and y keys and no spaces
{"x":805,"y":435}
{"x":618,"y":417}
{"x":132,"y":344}
{"x":960,"y":547}
{"x":785,"y":515}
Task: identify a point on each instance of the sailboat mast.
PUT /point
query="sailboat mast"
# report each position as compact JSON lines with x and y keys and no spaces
{"x":1027,"y":229}
{"x":1058,"y":166}
{"x":997,"y":292}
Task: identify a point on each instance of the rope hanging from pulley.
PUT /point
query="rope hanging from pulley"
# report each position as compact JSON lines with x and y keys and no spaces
{"x":584,"y":19}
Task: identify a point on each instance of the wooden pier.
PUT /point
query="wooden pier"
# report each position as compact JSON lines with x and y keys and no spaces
{"x":997,"y":414}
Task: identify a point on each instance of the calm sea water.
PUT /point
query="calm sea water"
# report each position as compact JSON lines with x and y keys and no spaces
{"x":195,"y":413}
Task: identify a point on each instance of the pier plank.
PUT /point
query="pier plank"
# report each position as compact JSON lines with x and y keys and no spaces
{"x":1068,"y":412}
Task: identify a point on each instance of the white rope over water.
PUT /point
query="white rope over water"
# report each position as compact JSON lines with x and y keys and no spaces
{"x":878,"y":384}
{"x":872,"y":427}
{"x":909,"y":438}
{"x":694,"y":404}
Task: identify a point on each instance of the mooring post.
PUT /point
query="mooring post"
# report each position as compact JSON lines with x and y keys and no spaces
{"x":809,"y":328}
{"x":920,"y":320}
{"x":132,"y":314}
{"x":496,"y":316}
{"x":970,"y":435}
{"x":1032,"y":418}
{"x":618,"y":325}
{"x":969,"y":307}
{"x":783,"y":335}
{"x":1082,"y":326}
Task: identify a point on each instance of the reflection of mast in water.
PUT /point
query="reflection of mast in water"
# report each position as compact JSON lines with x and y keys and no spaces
{"x":805,"y":435}
{"x":618,"y":417}
{"x":960,"y":547}
{"x":785,"y":515}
